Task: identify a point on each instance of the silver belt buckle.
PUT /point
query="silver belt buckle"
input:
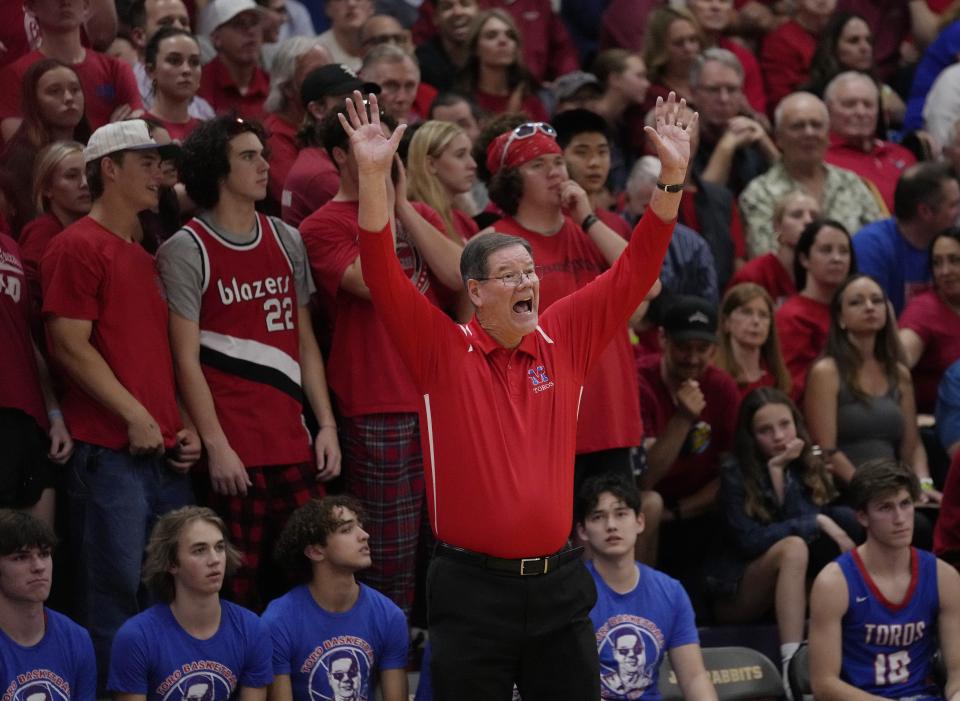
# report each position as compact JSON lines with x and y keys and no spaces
{"x":523,"y":565}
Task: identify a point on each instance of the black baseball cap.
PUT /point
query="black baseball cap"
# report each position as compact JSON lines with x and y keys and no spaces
{"x":689,"y":318}
{"x":333,"y":79}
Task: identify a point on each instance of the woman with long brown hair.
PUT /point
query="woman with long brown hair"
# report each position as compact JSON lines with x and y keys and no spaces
{"x":495,"y":76}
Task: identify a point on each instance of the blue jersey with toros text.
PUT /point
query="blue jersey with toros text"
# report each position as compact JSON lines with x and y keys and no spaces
{"x":888,"y":648}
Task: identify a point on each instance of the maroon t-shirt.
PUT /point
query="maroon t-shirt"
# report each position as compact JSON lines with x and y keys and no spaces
{"x":89,"y":273}
{"x":938,"y":326}
{"x":34,"y":239}
{"x":709,"y":438}
{"x":19,"y":32}
{"x":107,"y":84}
{"x":19,"y":378}
{"x":282,"y":145}
{"x":312,"y":182}
{"x":946,"y":536}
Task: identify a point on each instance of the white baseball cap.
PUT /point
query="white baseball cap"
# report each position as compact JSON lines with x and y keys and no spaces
{"x":219,"y":12}
{"x":128,"y":135}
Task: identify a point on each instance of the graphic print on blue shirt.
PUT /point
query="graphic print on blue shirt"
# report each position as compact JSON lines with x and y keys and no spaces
{"x":335,"y":656}
{"x":61,"y":667}
{"x":154,"y":656}
{"x":888,"y":648}
{"x":635,"y":630}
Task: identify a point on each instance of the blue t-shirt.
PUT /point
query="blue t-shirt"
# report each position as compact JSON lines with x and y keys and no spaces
{"x":153,"y":655}
{"x":888,"y":648}
{"x":335,"y":655}
{"x":635,"y":629}
{"x":901,"y":269}
{"x":61,"y":666}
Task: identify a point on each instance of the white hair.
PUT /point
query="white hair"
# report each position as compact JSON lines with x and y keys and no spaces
{"x":644,"y":171}
{"x":284,"y":67}
{"x":847,"y":77}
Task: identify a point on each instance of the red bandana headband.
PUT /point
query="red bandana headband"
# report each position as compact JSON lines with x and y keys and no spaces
{"x":521,"y":148}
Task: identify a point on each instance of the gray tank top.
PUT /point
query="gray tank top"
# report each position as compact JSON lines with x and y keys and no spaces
{"x":868,"y":428}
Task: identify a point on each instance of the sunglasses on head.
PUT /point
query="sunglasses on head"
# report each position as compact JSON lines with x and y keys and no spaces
{"x":525,"y":131}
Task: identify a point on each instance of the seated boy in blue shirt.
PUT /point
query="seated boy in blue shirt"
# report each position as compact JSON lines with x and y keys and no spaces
{"x":641,"y":614}
{"x":42,"y":652}
{"x":193,"y":646}
{"x":332,"y":635}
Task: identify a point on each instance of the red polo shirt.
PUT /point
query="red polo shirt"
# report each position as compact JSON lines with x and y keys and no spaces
{"x":881,"y":165}
{"x":223,"y":94}
{"x":498,"y":424}
{"x":610,"y":407}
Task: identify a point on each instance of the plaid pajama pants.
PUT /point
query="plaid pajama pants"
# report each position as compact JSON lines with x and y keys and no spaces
{"x":383,"y":468}
{"x":254,"y":522}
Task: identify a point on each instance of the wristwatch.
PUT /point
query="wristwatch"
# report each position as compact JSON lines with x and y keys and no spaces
{"x":670,"y":188}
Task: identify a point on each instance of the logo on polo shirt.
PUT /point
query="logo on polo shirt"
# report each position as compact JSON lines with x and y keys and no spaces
{"x":539,"y":379}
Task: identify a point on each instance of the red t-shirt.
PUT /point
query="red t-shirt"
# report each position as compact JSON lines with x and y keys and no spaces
{"x":91,"y":274}
{"x":609,"y":409}
{"x":768,"y":272}
{"x":753,"y":87}
{"x":364,"y":370}
{"x":709,"y":438}
{"x":312,"y":182}
{"x":282,"y":144}
{"x":19,"y":378}
{"x":465,"y":225}
{"x":882,"y":166}
{"x":178,"y":131}
{"x":223,"y":94}
{"x":497,"y":104}
{"x":802,"y":324}
{"x":498,"y":424}
{"x":614,"y":221}
{"x":107,"y":84}
{"x":785,"y":60}
{"x":938,"y":326}
{"x":19,"y":32}
{"x":34,"y":239}
{"x":426,"y":94}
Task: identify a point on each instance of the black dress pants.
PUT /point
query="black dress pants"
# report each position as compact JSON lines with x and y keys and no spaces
{"x":490,"y":630}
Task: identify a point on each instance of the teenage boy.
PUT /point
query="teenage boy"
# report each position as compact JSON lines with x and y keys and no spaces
{"x":641,"y":614}
{"x":583,"y":136}
{"x":41,"y":651}
{"x":376,"y":398}
{"x":191,"y":645}
{"x":332,"y":634}
{"x":106,"y":323}
{"x":879,"y":612}
{"x":238,"y":288}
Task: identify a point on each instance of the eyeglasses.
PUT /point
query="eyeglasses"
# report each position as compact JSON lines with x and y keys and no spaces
{"x":513,"y":279}
{"x":398,"y":39}
{"x":525,"y":131}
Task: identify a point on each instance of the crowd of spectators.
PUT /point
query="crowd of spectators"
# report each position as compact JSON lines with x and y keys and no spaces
{"x":146,"y":144}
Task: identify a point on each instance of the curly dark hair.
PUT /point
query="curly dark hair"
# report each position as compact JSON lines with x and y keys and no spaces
{"x":205,"y":157}
{"x":310,"y":525}
{"x":506,"y":189}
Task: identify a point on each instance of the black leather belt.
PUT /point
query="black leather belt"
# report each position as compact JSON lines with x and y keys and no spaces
{"x":521,"y":567}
